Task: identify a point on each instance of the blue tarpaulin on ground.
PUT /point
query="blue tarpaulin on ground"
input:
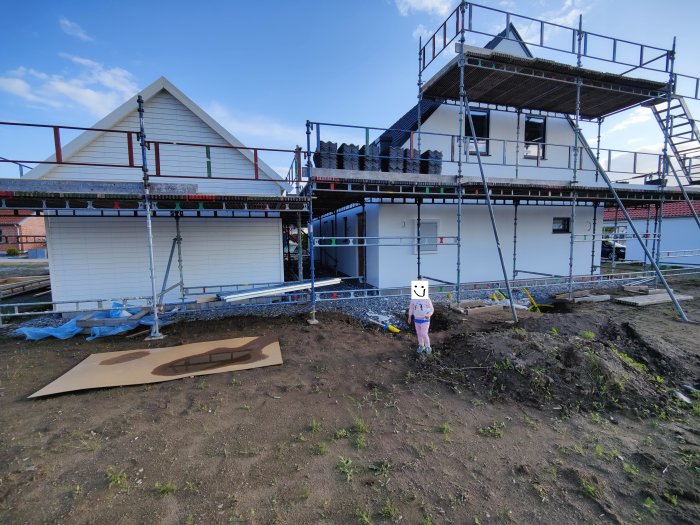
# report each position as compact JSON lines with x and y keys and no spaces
{"x":69,"y":329}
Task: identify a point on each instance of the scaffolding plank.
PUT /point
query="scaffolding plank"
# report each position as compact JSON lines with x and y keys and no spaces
{"x":648,"y":300}
{"x":276,"y":290}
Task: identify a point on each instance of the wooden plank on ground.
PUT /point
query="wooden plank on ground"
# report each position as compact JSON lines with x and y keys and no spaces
{"x":648,"y":300}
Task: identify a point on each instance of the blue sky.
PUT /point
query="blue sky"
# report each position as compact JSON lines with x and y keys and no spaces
{"x":263,"y":68}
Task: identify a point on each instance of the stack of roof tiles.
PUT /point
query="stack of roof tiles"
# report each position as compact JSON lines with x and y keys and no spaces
{"x":431,"y":162}
{"x":393,"y":160}
{"x":411,"y":161}
{"x":326,"y":155}
{"x":369,"y":158}
{"x":348,"y":157}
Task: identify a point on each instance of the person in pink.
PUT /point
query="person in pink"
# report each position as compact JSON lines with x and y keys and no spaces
{"x":421,"y":309}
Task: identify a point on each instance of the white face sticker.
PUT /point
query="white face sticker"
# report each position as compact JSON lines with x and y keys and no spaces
{"x":419,"y":289}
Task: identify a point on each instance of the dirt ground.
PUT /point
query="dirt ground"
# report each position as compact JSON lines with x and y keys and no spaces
{"x":566,"y":418}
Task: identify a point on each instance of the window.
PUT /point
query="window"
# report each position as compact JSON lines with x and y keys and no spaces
{"x":428,"y":236}
{"x":480,"y":118}
{"x":535,"y":137}
{"x":561,"y":225}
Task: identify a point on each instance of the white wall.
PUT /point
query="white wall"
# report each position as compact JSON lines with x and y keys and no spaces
{"x":108,"y":257}
{"x":538,"y":248}
{"x":167,"y":119}
{"x":503,"y":127}
{"x":677,"y":233}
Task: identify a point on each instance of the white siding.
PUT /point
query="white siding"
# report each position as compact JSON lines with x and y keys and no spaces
{"x":108,"y":257}
{"x":167,"y":119}
{"x":501,"y":160}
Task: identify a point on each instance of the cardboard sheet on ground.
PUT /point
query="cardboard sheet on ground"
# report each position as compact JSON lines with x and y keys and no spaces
{"x":136,"y":367}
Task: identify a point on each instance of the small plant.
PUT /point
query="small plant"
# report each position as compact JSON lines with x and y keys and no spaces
{"x":589,"y":489}
{"x":116,"y":479}
{"x":364,"y":516}
{"x":164,"y":489}
{"x":320,"y":449}
{"x":671,"y":498}
{"x":314,"y":426}
{"x":234,"y":381}
{"x":201,"y":384}
{"x":344,"y":466}
{"x":553,"y":331}
{"x":388,"y":510}
{"x":305,"y":493}
{"x":651,"y":507}
{"x":341,"y":433}
{"x":587,"y":335}
{"x":192,"y":486}
{"x":12,"y":252}
{"x":360,"y":426}
{"x":381,"y":468}
{"x":495,"y":430}
{"x":630,"y":469}
{"x":445,"y":429}
{"x":597,"y":418}
{"x":245,"y":406}
{"x":360,"y":442}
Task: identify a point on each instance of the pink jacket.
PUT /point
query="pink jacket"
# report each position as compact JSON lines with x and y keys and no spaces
{"x":420,"y":308}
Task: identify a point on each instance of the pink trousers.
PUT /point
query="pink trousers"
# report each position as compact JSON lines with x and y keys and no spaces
{"x":422,"y":333}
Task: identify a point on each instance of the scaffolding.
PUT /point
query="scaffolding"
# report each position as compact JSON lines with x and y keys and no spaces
{"x":474,"y":79}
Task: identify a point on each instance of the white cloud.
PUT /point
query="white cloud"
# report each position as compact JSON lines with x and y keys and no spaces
{"x":94,"y":87}
{"x":637,"y":116}
{"x":73,"y":29}
{"x":255,"y":130}
{"x":566,"y":15}
{"x":421,"y":32}
{"x":433,"y":7}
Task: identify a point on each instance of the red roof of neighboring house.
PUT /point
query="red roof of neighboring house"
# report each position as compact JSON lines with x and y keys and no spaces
{"x":9,"y":217}
{"x":670,"y":209}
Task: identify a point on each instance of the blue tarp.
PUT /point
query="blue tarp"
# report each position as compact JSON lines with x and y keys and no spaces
{"x":69,"y":329}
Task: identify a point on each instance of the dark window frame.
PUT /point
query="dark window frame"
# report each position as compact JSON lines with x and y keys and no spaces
{"x":566,"y":225}
{"x":486,"y":114}
{"x":542,"y":141}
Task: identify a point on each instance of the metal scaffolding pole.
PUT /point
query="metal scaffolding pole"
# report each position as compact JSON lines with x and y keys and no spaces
{"x":310,"y":226}
{"x":614,"y":237}
{"x":646,"y":234}
{"x":155,"y":328}
{"x":464,"y":106}
{"x":517,"y":146}
{"x":418,"y":203}
{"x":420,"y":94}
{"x":574,"y":182}
{"x":597,"y":148}
{"x":515,"y":238}
{"x":300,"y":250}
{"x":178,"y":238}
{"x":656,"y":225}
{"x":595,"y":224}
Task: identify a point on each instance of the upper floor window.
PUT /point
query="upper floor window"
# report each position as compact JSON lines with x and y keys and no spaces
{"x":480,"y":117}
{"x":535,"y":137}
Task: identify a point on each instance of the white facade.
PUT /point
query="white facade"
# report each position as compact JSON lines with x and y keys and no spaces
{"x":538,"y":248}
{"x":107,"y":257}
